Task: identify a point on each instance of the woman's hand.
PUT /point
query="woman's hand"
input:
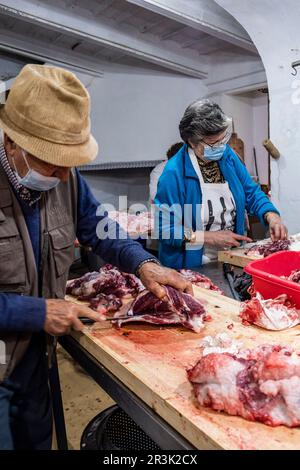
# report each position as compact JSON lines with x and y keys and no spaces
{"x":223,"y":239}
{"x":278,"y":230}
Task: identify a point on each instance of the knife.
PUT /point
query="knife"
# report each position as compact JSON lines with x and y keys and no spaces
{"x":89,"y":321}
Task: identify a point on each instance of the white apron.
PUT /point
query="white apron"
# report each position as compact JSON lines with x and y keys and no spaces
{"x":218,"y":209}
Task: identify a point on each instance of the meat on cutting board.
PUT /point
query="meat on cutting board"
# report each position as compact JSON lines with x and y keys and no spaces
{"x":200,"y":280}
{"x":271,"y":314}
{"x":265,"y":249}
{"x":262,"y":384}
{"x":179,"y":308}
{"x":105,"y":304}
{"x":109,"y":280}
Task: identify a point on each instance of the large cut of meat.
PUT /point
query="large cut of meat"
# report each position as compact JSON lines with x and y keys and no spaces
{"x":109,"y":280}
{"x":179,"y":308}
{"x":266,"y":249}
{"x":199,"y":280}
{"x":262,"y":384}
{"x":271,"y":314}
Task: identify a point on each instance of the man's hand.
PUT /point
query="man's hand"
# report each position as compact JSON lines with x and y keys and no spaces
{"x":154,"y":277}
{"x":62,"y":316}
{"x":278,"y":230}
{"x":224,"y":239}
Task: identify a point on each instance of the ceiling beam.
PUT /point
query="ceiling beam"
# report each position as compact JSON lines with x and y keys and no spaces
{"x":105,"y":33}
{"x":33,"y":48}
{"x":203,"y":15}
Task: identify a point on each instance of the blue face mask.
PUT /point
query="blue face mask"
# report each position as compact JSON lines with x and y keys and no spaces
{"x":214,"y":154}
{"x":36,"y":181}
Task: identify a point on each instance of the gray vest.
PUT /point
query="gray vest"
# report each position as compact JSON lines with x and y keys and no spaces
{"x":18,"y":271}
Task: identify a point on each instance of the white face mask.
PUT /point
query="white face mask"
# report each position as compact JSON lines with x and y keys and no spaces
{"x":36,"y":181}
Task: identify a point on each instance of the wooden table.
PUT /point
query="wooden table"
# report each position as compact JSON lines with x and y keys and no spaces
{"x":151,"y":362}
{"x":236,"y":257}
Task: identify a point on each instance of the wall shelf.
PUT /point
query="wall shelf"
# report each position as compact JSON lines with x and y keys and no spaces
{"x":120,"y":165}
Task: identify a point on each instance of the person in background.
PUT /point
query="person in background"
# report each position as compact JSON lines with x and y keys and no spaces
{"x":44,"y":205}
{"x":157,"y":171}
{"x":207,"y":175}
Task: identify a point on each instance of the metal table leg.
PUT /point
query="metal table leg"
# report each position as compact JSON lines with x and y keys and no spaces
{"x":57,"y":406}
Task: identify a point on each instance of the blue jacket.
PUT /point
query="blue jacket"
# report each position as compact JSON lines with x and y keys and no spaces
{"x":179,"y":184}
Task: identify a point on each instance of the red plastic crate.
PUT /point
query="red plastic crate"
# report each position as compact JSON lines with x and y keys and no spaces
{"x":266,"y":274}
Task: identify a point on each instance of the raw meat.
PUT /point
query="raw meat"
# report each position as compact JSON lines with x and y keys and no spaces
{"x":220,"y":343}
{"x":271,"y":314}
{"x":199,"y":280}
{"x":109,"y":280}
{"x":179,"y":308}
{"x":262,"y":384}
{"x":294,"y":276}
{"x":133,"y":223}
{"x":105,"y":304}
{"x":266,"y":249}
{"x":75,"y":286}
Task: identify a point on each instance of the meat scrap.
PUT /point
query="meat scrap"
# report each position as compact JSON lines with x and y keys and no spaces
{"x":294,"y":276}
{"x":262,"y":384}
{"x":266,"y":249}
{"x":178,"y":308}
{"x":133,"y":223}
{"x":199,"y":280}
{"x":271,"y":314}
{"x":220,"y":343}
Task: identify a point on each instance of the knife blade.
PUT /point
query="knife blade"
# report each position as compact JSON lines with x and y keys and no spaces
{"x":116,"y":318}
{"x":89,"y":321}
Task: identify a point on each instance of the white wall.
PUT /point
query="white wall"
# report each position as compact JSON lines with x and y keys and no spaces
{"x":260,"y":133}
{"x":273,"y":25}
{"x":240,"y":109}
{"x":135,"y":116}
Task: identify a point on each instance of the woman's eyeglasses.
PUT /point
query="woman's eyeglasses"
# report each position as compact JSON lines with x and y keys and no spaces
{"x":223,"y":141}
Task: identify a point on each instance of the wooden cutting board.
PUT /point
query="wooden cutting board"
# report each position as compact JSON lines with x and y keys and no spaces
{"x":236,"y":257}
{"x":152,"y":361}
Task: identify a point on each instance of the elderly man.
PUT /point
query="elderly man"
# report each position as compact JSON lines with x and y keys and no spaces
{"x":44,"y":206}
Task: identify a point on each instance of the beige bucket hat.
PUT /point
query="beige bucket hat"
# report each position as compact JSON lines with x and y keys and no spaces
{"x":47,"y":113}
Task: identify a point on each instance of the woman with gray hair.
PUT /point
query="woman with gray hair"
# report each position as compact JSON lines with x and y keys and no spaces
{"x":204,"y":191}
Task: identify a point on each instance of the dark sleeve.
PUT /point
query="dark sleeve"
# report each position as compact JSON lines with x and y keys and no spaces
{"x":21,"y":313}
{"x":104,"y":236}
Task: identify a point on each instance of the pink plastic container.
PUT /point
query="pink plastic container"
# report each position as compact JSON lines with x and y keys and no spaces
{"x":266,"y":274}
